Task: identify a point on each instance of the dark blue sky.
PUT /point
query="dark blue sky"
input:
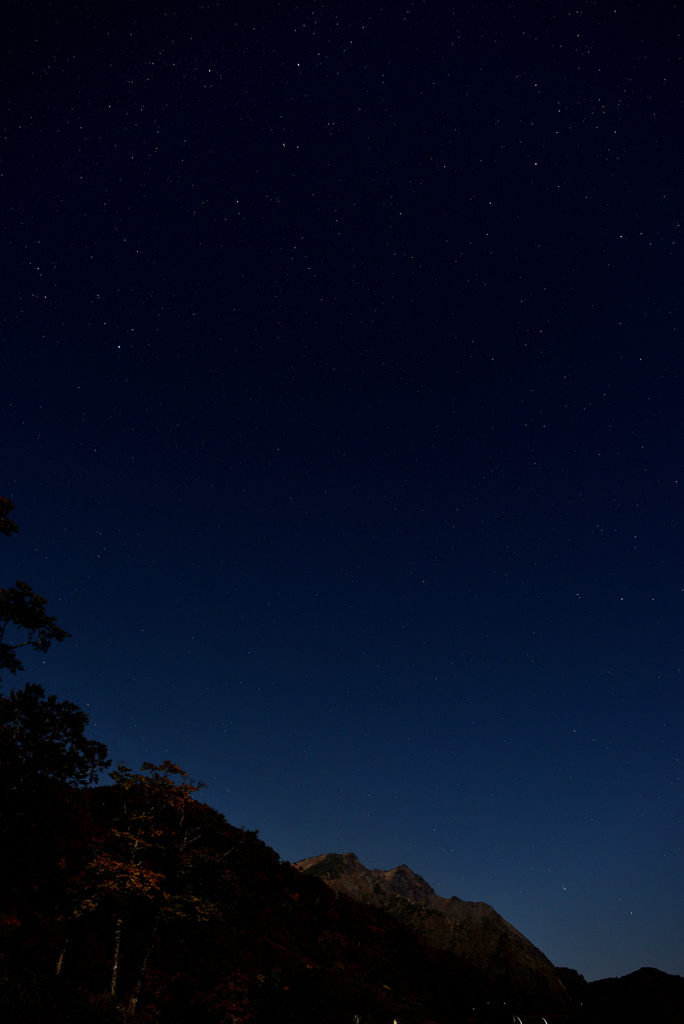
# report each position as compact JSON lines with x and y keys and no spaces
{"x":342,"y":413}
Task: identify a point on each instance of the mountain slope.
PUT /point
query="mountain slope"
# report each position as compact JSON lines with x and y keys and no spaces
{"x":644,"y":995}
{"x":214,"y":930}
{"x":475,"y":932}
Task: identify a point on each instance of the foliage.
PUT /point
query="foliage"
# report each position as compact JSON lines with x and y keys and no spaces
{"x":40,"y":739}
{"x":6,"y":525}
{"x":145,"y":857}
{"x":21,"y":607}
{"x":43,"y":738}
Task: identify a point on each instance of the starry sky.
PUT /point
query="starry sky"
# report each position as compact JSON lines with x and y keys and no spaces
{"x":342,"y":412}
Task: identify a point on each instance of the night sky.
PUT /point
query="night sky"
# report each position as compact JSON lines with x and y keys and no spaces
{"x":342,"y":411}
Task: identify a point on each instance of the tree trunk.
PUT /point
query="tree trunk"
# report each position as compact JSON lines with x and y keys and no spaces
{"x":60,"y":960}
{"x":115,"y":967}
{"x":141,"y":973}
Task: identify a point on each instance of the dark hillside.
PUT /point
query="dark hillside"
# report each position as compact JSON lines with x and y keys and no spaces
{"x":137,"y":902}
{"x":644,"y":995}
{"x":211,"y":925}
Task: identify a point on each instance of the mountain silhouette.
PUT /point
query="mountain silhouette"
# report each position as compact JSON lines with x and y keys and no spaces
{"x":474,"y":932}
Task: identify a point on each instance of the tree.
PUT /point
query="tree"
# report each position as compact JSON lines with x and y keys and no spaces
{"x":6,"y":525}
{"x":43,"y":738}
{"x":147,"y":873}
{"x":39,"y":737}
{"x":22,"y":608}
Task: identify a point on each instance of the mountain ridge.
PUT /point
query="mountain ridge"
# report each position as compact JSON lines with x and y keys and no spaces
{"x":474,"y":931}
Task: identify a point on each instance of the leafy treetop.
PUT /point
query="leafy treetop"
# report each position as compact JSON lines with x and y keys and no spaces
{"x":6,"y":525}
{"x":22,"y":608}
{"x":39,"y":737}
{"x":43,"y":738}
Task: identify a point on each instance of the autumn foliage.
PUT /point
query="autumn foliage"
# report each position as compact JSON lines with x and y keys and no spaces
{"x":136,"y":900}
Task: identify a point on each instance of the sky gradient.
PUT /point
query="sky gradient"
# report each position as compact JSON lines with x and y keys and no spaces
{"x":343,"y":416}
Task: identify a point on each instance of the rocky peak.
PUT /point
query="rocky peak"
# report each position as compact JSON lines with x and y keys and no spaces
{"x":406,"y":883}
{"x":472,"y":931}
